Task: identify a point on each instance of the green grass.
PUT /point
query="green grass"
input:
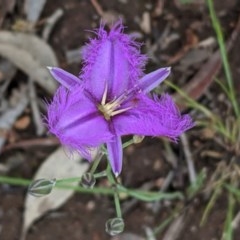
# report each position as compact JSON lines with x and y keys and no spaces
{"x":227,"y":129}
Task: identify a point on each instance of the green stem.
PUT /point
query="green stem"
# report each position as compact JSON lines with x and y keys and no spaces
{"x":117,"y":205}
{"x":95,"y":190}
{"x":164,"y":224}
{"x":15,"y":181}
{"x":59,"y":184}
{"x":138,"y":194}
{"x":228,"y":228}
{"x":223,"y":51}
{"x":110,"y":176}
{"x":96,"y":163}
{"x":128,"y":143}
{"x":100,"y":174}
{"x":69,"y":180}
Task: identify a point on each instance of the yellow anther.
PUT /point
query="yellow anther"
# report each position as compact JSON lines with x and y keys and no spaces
{"x":111,"y":108}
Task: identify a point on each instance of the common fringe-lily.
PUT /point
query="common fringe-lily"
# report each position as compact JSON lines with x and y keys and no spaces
{"x":110,"y":99}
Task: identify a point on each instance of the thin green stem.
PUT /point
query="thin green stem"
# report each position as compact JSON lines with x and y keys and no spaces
{"x":59,"y":184}
{"x":164,"y":224}
{"x":69,"y":180}
{"x":138,"y":194}
{"x":191,"y":102}
{"x":100,"y":174}
{"x":95,"y":190}
{"x":96,"y":163}
{"x":15,"y":181}
{"x":110,"y":176}
{"x":211,"y":203}
{"x":128,"y":143}
{"x":223,"y":51}
{"x":218,"y":125}
{"x":117,"y":205}
{"x":228,"y":228}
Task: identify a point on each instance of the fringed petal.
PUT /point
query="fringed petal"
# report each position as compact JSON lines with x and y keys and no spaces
{"x":158,"y":117}
{"x":153,"y":79}
{"x":113,"y":60}
{"x":75,"y":120}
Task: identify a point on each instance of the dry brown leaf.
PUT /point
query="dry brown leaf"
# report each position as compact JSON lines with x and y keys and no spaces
{"x":30,"y":54}
{"x":58,"y":166}
{"x":212,"y":154}
{"x":22,"y":123}
{"x":19,"y":102}
{"x":201,"y":81}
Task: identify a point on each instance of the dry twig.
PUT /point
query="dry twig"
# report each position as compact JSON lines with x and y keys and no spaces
{"x":50,"y":23}
{"x":40,"y":129}
{"x":188,"y":155}
{"x":9,"y":117}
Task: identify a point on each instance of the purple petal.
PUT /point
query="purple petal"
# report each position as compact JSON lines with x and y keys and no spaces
{"x":153,"y":79}
{"x":75,"y":120}
{"x":158,"y":117}
{"x":66,"y":79}
{"x":115,"y":155}
{"x":112,"y":59}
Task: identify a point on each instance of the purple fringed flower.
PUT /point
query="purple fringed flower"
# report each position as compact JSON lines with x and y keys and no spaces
{"x":110,"y":99}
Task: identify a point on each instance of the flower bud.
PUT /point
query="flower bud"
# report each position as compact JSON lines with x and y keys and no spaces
{"x":137,"y":138}
{"x":88,"y":180}
{"x":41,"y":187}
{"x":114,"y":226}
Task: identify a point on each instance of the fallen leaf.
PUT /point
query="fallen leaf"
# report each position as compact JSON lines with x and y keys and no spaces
{"x":195,"y":56}
{"x":201,"y":81}
{"x":8,"y":118}
{"x":212,"y":154}
{"x":33,"y":9}
{"x":58,"y":166}
{"x":145,"y":23}
{"x":191,"y":42}
{"x":22,"y":123}
{"x":30,"y":54}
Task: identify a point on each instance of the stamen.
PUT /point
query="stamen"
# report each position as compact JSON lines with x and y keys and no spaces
{"x":104,"y":98}
{"x":111,"y":108}
{"x":120,"y":111}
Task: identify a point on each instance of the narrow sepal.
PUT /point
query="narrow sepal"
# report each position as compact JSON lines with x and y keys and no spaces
{"x":153,"y":79}
{"x":115,"y":155}
{"x":65,"y":78}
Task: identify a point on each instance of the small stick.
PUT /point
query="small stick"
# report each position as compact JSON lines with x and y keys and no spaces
{"x":43,"y":142}
{"x":50,"y":23}
{"x":175,"y":229}
{"x":35,"y":109}
{"x":8,"y":118}
{"x":159,"y":8}
{"x":236,"y":221}
{"x":149,"y":233}
{"x":188,"y":155}
{"x":167,"y":181}
{"x":97,"y":7}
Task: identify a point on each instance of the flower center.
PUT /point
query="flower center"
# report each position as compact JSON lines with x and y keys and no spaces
{"x":113,"y":107}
